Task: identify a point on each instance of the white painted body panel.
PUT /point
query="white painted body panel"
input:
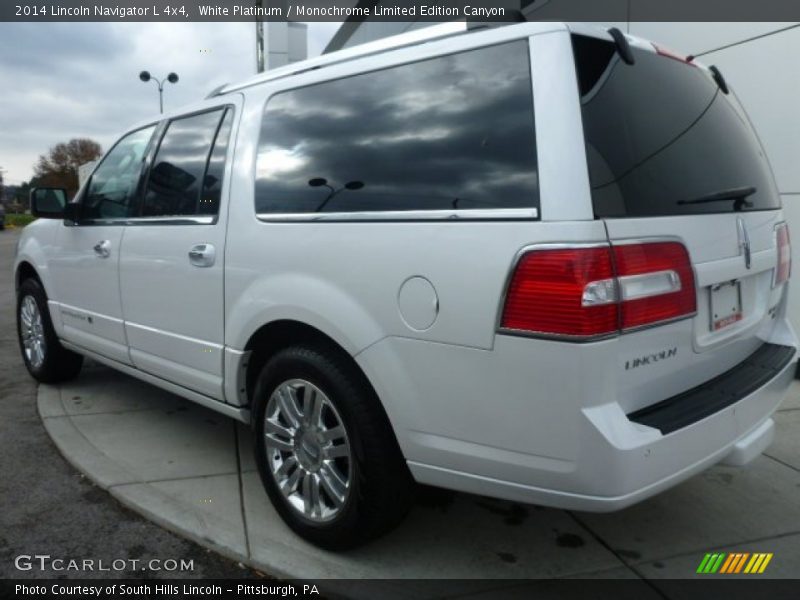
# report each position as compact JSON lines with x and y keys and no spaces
{"x":527,"y":419}
{"x":86,"y":288}
{"x":172,"y":309}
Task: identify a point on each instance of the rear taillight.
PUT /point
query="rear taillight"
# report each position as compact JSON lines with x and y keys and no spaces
{"x":551,"y":292}
{"x":784,"y":266}
{"x":594,"y":292}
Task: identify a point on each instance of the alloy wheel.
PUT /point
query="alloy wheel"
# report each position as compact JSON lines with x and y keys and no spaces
{"x":308,"y":451}
{"x":32,"y":332}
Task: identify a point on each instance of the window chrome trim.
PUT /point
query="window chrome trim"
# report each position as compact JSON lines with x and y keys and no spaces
{"x":478,"y":214}
{"x":176,"y":220}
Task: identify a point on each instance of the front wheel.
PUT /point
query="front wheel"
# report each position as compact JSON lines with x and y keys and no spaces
{"x":44,"y":356}
{"x":325,"y":450}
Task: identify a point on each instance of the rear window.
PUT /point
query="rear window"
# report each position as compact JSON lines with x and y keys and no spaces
{"x":662,"y":139}
{"x":454,"y":132}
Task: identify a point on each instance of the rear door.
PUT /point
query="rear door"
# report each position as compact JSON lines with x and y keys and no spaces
{"x":172,"y":256}
{"x":672,"y":156}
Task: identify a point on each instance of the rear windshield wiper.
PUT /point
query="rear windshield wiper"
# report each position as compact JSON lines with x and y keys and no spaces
{"x":738,"y":195}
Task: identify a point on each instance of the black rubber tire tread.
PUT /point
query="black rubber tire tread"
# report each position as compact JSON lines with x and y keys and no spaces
{"x":383,"y":488}
{"x":59,"y":364}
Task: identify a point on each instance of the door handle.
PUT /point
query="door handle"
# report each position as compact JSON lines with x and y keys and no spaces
{"x":103,"y":249}
{"x":202,"y":255}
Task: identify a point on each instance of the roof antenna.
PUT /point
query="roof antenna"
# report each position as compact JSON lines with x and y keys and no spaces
{"x":623,"y":47}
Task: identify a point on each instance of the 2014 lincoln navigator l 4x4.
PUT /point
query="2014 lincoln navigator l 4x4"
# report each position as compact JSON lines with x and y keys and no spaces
{"x":540,"y":262}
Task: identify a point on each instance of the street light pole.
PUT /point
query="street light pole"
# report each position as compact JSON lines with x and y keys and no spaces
{"x":172,"y":78}
{"x":259,"y":39}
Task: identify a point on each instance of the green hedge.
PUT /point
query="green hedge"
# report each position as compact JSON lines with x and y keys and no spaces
{"x":15,"y":220}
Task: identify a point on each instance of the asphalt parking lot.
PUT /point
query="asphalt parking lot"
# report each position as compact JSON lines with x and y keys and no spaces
{"x":49,"y":508}
{"x":190,"y":470}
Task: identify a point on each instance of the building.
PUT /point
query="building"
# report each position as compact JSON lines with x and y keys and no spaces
{"x":286,"y":43}
{"x":758,"y":60}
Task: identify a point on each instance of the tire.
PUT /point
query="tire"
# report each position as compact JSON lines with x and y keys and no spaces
{"x":349,"y":439}
{"x":44,"y":356}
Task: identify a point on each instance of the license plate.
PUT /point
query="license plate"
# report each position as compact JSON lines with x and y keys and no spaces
{"x":726,"y":305}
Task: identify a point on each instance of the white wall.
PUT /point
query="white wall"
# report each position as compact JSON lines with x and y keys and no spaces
{"x":285,"y":42}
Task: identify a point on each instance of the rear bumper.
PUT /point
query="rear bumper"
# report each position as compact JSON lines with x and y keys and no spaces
{"x":622,"y":462}
{"x":730,"y":387}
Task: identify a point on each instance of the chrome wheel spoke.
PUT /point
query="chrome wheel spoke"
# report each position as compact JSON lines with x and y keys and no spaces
{"x":311,"y":500}
{"x":290,"y":483}
{"x":333,"y":434}
{"x":275,"y":442}
{"x":288,"y":408}
{"x":313,"y":407}
{"x":278,"y":430}
{"x":285,"y":467}
{"x":333,"y":483}
{"x":337,"y":451}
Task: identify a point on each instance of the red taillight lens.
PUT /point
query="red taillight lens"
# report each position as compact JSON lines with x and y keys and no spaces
{"x":597,"y":291}
{"x":784,"y":267}
{"x":546,"y":293}
{"x":659,"y":281}
{"x":663,"y":51}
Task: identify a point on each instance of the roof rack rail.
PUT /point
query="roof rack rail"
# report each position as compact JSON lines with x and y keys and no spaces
{"x":411,"y":38}
{"x":216,"y":91}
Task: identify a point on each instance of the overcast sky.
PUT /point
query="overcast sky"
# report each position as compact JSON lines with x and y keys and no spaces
{"x":66,"y":80}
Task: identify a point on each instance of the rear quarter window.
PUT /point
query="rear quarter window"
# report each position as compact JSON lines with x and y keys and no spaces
{"x":450,"y":133}
{"x":662,"y":139}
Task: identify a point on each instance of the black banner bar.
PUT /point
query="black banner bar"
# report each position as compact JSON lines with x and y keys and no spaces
{"x":398,"y":10}
{"x":729,"y":588}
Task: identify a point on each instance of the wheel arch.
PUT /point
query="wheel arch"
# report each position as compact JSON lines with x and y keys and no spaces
{"x":276,"y":335}
{"x":25,"y":270}
{"x":279,"y":334}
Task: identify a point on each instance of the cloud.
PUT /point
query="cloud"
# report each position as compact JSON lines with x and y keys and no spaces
{"x":66,"y":80}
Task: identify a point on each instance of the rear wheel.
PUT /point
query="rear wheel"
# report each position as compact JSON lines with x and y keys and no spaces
{"x":325,"y":450}
{"x":44,"y":356}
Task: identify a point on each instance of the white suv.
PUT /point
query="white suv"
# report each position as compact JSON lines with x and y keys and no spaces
{"x":539,"y":262}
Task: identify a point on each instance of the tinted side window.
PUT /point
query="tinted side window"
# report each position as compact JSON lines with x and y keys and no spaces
{"x":178,"y":171}
{"x":662,"y":139}
{"x":453,"y":132}
{"x":212,"y":182}
{"x":112,"y":190}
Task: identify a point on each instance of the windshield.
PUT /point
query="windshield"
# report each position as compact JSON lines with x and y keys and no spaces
{"x":663,"y":139}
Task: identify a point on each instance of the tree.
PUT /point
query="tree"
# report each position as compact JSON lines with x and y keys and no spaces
{"x":59,"y":167}
{"x":2,"y":190}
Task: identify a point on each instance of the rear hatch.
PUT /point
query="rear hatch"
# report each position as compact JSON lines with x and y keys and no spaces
{"x":673,"y":156}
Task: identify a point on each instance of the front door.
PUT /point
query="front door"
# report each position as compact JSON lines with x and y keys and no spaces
{"x":85,"y":260}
